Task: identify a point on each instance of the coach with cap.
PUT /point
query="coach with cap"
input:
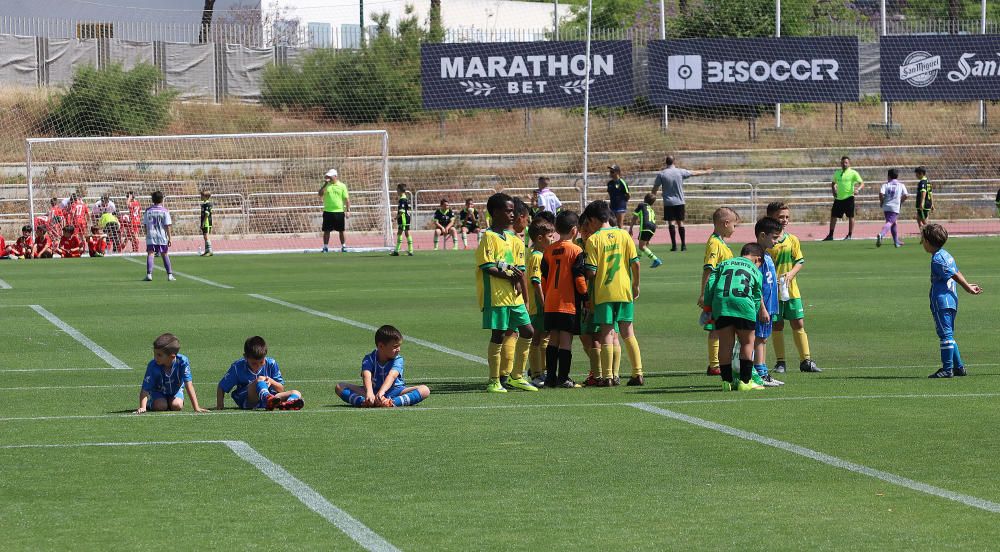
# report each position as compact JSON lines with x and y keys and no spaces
{"x":672,"y":179}
{"x":336,"y":202}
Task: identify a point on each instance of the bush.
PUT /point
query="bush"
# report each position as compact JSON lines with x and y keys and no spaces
{"x":380,"y":82}
{"x":112,"y":102}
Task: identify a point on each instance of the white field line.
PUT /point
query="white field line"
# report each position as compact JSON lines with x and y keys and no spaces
{"x":351,"y":527}
{"x":111,"y":359}
{"x":4,"y":370}
{"x":361,"y":534}
{"x":346,"y":410}
{"x":4,"y":285}
{"x":185,"y":275}
{"x":892,"y":478}
{"x":369,"y":327}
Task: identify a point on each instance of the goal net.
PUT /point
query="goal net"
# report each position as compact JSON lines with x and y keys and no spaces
{"x":264,"y":187}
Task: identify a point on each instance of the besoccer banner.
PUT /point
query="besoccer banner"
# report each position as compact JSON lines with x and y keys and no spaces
{"x":525,"y":74}
{"x":747,"y":71}
{"x":954,"y":67}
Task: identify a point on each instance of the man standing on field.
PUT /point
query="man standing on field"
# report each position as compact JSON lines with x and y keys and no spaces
{"x":672,"y":178}
{"x":335,"y":205}
{"x":846,"y":181}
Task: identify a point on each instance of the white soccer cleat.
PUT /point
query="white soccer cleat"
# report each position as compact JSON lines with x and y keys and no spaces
{"x":148,"y":278}
{"x":170,"y":277}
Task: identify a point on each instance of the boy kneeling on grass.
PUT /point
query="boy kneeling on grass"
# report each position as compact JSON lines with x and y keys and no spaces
{"x":382,"y":376}
{"x":257,"y":381}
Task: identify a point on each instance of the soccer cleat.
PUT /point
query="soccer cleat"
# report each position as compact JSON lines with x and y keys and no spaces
{"x":771,"y":382}
{"x":674,"y":248}
{"x":749,"y":386}
{"x":779,"y":367}
{"x":521,"y":383}
{"x":326,"y":249}
{"x":726,"y":386}
{"x":878,"y":240}
{"x":148,"y":278}
{"x":898,"y":244}
{"x":409,"y":253}
{"x":209,"y":253}
{"x":755,"y":377}
{"x":656,"y":263}
{"x":713,"y":371}
{"x":616,"y":381}
{"x":294,"y":404}
{"x":394,"y":254}
{"x":829,"y":237}
{"x":592,"y":381}
{"x":684,"y":248}
{"x":848,"y":237}
{"x":604,"y":382}
{"x":569,"y":384}
{"x":959,"y":371}
{"x":343,"y":249}
{"x":273,"y":402}
{"x":942,"y":373}
{"x":635,"y":381}
{"x":170,"y":278}
{"x":435,"y":248}
{"x":494,"y":386}
{"x":808,"y":365}
{"x":538,"y":381}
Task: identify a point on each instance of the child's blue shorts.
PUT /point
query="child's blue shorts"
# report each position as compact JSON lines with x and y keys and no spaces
{"x":153,"y":395}
{"x":763,"y":331}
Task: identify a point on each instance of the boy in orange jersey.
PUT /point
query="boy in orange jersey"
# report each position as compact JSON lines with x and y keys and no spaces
{"x":564,"y":286}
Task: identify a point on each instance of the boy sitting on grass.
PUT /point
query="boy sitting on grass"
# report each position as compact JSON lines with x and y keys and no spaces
{"x":382,"y":376}
{"x":257,"y":381}
{"x":167,"y":376}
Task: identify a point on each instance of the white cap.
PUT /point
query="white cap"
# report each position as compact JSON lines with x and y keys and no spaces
{"x":332,"y":173}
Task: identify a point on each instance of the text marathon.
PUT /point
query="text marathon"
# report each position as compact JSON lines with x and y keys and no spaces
{"x":526,"y":74}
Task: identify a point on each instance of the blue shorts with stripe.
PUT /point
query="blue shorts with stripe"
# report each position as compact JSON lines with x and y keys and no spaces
{"x":763,"y":331}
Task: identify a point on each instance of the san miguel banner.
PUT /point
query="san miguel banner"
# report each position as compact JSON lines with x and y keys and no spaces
{"x":954,"y":67}
{"x":746,"y":71}
{"x":525,"y":74}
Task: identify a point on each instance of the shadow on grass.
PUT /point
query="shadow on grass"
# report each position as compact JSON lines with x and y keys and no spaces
{"x":678,"y":390}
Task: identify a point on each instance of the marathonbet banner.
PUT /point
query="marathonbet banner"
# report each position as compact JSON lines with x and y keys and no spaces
{"x":745,"y":71}
{"x":525,"y":74}
{"x":955,"y":67}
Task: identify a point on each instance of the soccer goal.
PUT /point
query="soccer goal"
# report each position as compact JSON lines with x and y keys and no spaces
{"x":264,"y":187}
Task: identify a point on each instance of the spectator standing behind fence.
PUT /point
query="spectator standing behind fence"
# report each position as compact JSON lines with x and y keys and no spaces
{"x":547,"y":199}
{"x":102,"y":206}
{"x":618,"y":195}
{"x":336,"y":202}
{"x":671,"y":179}
{"x":846,"y":182}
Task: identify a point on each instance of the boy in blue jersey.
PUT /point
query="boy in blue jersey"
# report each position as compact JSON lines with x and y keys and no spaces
{"x":168,"y":375}
{"x":382,"y":376}
{"x":768,"y":231}
{"x":257,"y":381}
{"x":944,"y":298}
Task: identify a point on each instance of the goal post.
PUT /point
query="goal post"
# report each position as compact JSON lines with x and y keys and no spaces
{"x":264,"y":186}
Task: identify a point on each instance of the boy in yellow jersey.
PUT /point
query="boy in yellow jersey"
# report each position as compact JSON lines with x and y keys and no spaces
{"x":716,"y":251}
{"x":542,"y":234}
{"x":500,"y":286}
{"x":613,"y":266}
{"x":788,"y":261}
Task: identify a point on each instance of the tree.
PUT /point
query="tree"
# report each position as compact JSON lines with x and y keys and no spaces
{"x":436,"y":28}
{"x":206,"y":21}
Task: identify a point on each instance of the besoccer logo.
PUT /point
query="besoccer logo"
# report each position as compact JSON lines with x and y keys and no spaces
{"x":684,"y":72}
{"x":920,"y":69}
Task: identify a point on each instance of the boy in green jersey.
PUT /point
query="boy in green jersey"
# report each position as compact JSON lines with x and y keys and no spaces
{"x":403,"y":221}
{"x":734,"y":291}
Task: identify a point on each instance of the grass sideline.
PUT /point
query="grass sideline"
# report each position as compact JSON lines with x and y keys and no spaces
{"x":557,"y":469}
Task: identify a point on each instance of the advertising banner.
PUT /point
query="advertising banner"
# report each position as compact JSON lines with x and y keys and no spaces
{"x":953,"y":67}
{"x":525,"y":74}
{"x":747,"y":71}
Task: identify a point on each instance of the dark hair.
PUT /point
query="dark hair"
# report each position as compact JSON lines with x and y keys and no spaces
{"x":94,"y":229}
{"x":599,"y":210}
{"x":255,"y":348}
{"x":157,"y":196}
{"x":387,"y":334}
{"x":520,"y":207}
{"x":669,"y":160}
{"x":767,"y":225}
{"x":566,"y":221}
{"x":468,"y":200}
{"x":752,"y":248}
{"x":70,"y":228}
{"x":893,"y":174}
{"x":497,"y":202}
{"x":443,"y":201}
{"x":844,"y":157}
{"x":649,"y":199}
{"x":400,"y":187}
{"x":543,"y":180}
{"x":547,"y":216}
{"x":920,"y":170}
{"x":935,"y":234}
{"x":539,"y":227}
{"x":168,"y":343}
{"x":26,"y":228}
{"x":775,"y":206}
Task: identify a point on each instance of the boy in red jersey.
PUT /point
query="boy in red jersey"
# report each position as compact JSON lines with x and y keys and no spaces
{"x":22,"y":247}
{"x":70,"y":246}
{"x":42,"y":246}
{"x":97,"y":245}
{"x":131,"y":220}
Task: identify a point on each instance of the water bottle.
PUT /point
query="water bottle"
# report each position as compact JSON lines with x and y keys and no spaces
{"x":783,"y":293}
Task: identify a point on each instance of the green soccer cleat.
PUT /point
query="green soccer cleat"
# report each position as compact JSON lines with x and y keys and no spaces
{"x":755,"y":377}
{"x":522,"y":384}
{"x":494,"y":386}
{"x":749,"y":386}
{"x":726,"y":386}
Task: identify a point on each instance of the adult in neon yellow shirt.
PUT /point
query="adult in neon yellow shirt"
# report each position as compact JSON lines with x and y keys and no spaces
{"x":336,"y":203}
{"x":846,"y":182}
